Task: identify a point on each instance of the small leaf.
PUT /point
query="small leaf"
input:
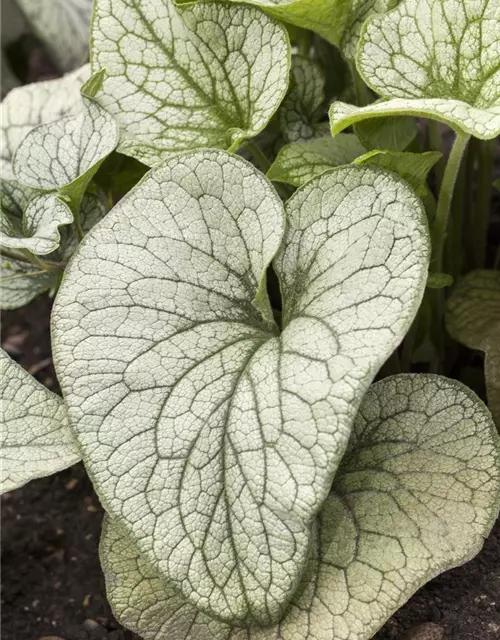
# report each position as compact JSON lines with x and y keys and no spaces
{"x":26,"y":107}
{"x":360,"y":11}
{"x":417,"y":492}
{"x":42,"y":218}
{"x":298,"y":113}
{"x":36,"y":438}
{"x":439,"y":280}
{"x":219,"y":83}
{"x":21,"y":282}
{"x":412,"y":167}
{"x":214,"y":438}
{"x":389,"y":134}
{"x":473,"y":318}
{"x":63,"y":26}
{"x":449,"y":72}
{"x":64,"y":155}
{"x":299,"y":162}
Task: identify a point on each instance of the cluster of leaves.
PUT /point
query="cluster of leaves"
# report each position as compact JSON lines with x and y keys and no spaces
{"x":216,"y":331}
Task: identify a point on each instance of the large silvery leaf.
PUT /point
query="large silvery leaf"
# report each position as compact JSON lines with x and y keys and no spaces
{"x":473,"y":318}
{"x":63,"y":25}
{"x":298,"y":113}
{"x":432,"y":58}
{"x":41,"y":102}
{"x":299,"y":162}
{"x":65,"y":154}
{"x":36,"y":438}
{"x":210,"y":434}
{"x":416,"y":493}
{"x":210,"y":77}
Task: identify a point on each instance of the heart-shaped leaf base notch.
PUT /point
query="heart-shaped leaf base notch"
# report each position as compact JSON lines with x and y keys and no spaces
{"x":213,"y":436}
{"x":434,"y":59}
{"x":416,"y":493}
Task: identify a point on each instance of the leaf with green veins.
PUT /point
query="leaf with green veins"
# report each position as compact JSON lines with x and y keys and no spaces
{"x":473,"y":318}
{"x":450,"y":72}
{"x":236,"y":431}
{"x":65,"y":154}
{"x":39,"y":233}
{"x":298,"y":113}
{"x":39,"y":103}
{"x":299,"y":162}
{"x":389,"y":133}
{"x":63,"y":26}
{"x":92,"y":209}
{"x":210,"y":75}
{"x":360,"y":11}
{"x":36,"y":437}
{"x":412,"y":167}
{"x":417,"y":492}
{"x":21,"y":282}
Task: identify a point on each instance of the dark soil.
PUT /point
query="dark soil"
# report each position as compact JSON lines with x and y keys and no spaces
{"x":52,"y":583}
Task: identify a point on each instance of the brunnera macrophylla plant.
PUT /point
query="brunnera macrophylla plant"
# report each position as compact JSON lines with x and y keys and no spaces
{"x":216,"y":334}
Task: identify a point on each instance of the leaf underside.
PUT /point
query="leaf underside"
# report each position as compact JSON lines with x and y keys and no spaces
{"x":417,"y":492}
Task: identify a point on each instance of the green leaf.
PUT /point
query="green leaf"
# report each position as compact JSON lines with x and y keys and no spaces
{"x":299,"y":162}
{"x":299,"y":112}
{"x":212,"y":437}
{"x":412,"y":167}
{"x":473,"y":318}
{"x":36,"y":438}
{"x":496,"y":184}
{"x":389,"y":134}
{"x":209,"y":76}
{"x":360,"y":11}
{"x":63,"y":26}
{"x":439,"y":280}
{"x":449,"y":72}
{"x":417,"y":492}
{"x":21,"y":282}
{"x":26,"y":107}
{"x":64,"y":155}
{"x":325,"y":17}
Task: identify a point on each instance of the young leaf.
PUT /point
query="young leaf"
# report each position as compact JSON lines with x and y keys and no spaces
{"x":388,"y":133}
{"x":20,"y":282}
{"x":36,"y":438}
{"x":412,"y":167}
{"x":39,"y":233}
{"x":216,"y":83}
{"x":417,"y":492}
{"x":473,"y":318}
{"x":435,"y":59}
{"x":26,"y":107}
{"x":360,"y":11}
{"x":299,"y":162}
{"x":64,"y":155}
{"x":299,"y":110}
{"x":213,"y":438}
{"x":63,"y":26}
